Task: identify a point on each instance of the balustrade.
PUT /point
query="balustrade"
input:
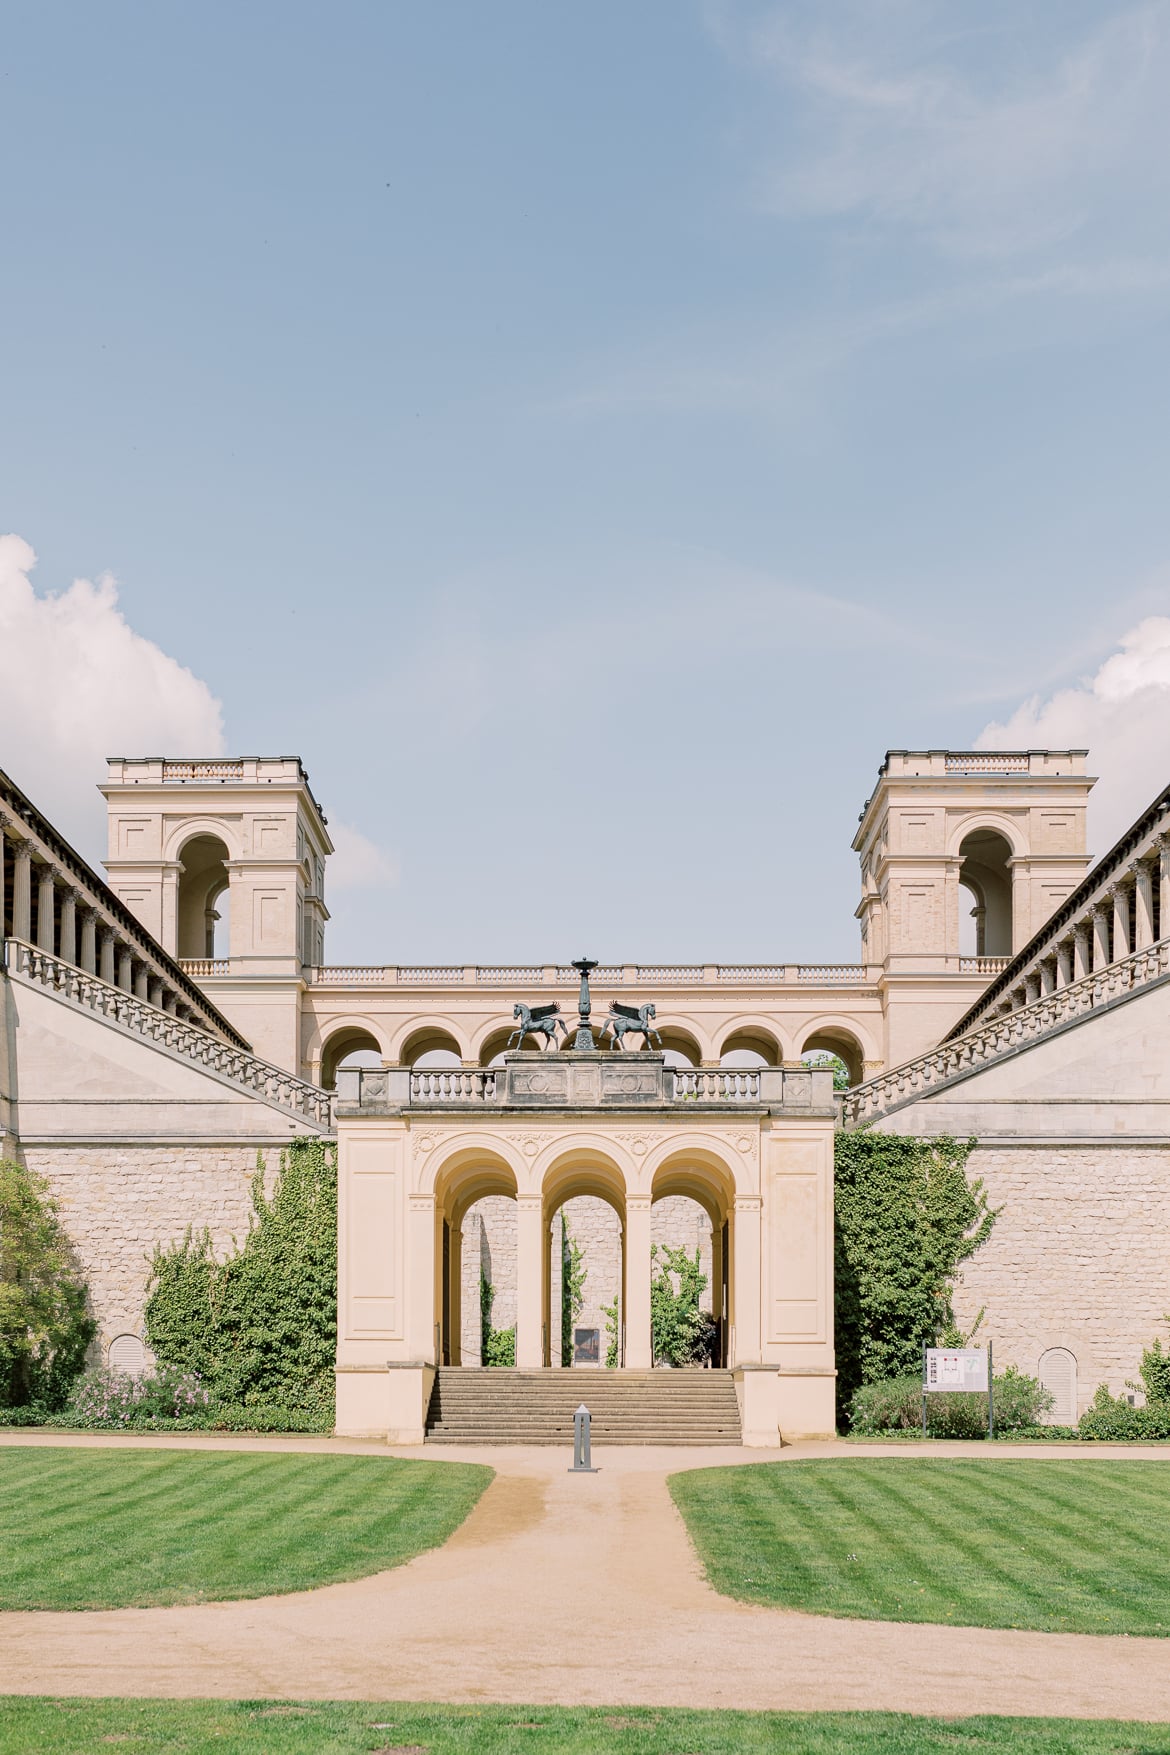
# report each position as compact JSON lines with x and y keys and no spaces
{"x":1042,"y":1014}
{"x":30,"y":963}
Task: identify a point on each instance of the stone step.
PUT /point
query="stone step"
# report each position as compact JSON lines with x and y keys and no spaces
{"x":502,"y":1406}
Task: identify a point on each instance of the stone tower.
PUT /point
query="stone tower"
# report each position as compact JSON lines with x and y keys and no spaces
{"x":998,"y":836}
{"x":224,"y":862}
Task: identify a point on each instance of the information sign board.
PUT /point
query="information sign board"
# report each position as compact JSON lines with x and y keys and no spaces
{"x":955,"y":1368}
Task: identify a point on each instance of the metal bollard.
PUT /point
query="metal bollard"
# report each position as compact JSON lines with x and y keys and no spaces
{"x":581,"y":1449}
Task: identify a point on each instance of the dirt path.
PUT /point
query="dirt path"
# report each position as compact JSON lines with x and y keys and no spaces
{"x":575,"y":1590}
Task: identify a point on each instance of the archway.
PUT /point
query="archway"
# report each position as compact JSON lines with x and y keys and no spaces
{"x":431,"y":1044}
{"x":833,"y":1043}
{"x":985,"y":875}
{"x":680,"y":1047}
{"x":750,"y":1045}
{"x":203,"y":883}
{"x":586,"y":1195}
{"x":693,"y":1204}
{"x":352,"y":1045}
{"x":476,"y":1263}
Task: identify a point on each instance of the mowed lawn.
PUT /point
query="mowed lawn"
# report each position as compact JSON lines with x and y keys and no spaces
{"x":257,"y":1727}
{"x":111,"y":1529}
{"x":1069,"y":1546}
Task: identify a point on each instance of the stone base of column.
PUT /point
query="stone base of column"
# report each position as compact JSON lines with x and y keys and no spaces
{"x":376,"y":1401}
{"x":779,"y":1405}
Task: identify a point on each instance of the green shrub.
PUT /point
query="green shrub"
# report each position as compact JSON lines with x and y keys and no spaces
{"x":1112,"y":1417}
{"x":499,"y":1347}
{"x":259,"y":1328}
{"x":895,"y":1405}
{"x":109,"y":1400}
{"x":680,"y":1333}
{"x":906,"y":1216}
{"x":45,"y":1329}
{"x":1155,"y":1373}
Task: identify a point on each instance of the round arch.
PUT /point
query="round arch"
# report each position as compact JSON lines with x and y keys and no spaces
{"x":986,"y":822}
{"x":679,"y":1039}
{"x":985,"y":856}
{"x":753,"y":1036}
{"x":355,"y":1036}
{"x":192,"y":829}
{"x":425,"y":1038}
{"x":203,"y":879}
{"x":491,"y":1042}
{"x":840,"y":1037}
{"x":462,"y":1178}
{"x":701,"y":1173}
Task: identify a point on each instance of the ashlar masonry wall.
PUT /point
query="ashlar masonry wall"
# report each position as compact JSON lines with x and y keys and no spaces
{"x":118,"y":1202}
{"x":1079,"y":1257}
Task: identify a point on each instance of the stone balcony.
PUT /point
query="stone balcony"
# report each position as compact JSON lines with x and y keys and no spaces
{"x":582,"y":1081}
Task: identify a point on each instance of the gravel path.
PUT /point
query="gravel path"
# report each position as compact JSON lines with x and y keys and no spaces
{"x":569,"y":1590}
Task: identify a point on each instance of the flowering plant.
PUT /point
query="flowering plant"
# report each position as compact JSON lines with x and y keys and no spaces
{"x":107,"y":1399}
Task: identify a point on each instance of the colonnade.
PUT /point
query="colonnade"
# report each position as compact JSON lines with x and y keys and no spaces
{"x":50,"y":908}
{"x":1130,"y":915}
{"x":734,"y":1245}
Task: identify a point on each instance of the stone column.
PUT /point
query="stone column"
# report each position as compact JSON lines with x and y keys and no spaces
{"x":22,"y":891}
{"x":3,"y":881}
{"x":745,"y":1251}
{"x":639,"y":1340}
{"x":154,"y":993}
{"x":1143,"y":880}
{"x":46,"y":895}
{"x":1164,"y":886}
{"x":1047,"y":975}
{"x":107,"y":960}
{"x":1082,"y":952}
{"x":1100,"y":936}
{"x":68,"y":947}
{"x":1031,"y":987}
{"x":529,"y":1281}
{"x":1064,"y":962}
{"x":142,"y":982}
{"x":1120,"y":898}
{"x":125,"y":968}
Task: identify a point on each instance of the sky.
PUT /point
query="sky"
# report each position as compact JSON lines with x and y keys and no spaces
{"x":589,"y":436}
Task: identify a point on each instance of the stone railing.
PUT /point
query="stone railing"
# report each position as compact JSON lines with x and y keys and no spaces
{"x":203,"y":771}
{"x":1008,"y":1031}
{"x":25,"y":962}
{"x":584,"y":1081}
{"x":725,"y":1084}
{"x":200,"y":968}
{"x":987,"y":762}
{"x":529,"y":975}
{"x":983,"y":965}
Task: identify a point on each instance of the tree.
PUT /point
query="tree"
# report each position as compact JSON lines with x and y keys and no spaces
{"x":906,"y":1216}
{"x":45,"y":1329}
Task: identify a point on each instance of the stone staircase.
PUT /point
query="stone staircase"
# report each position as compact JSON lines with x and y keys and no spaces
{"x":473,"y":1406}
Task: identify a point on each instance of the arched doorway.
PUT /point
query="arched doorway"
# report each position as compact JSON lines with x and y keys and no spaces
{"x":693,"y":1207}
{"x":476,"y":1263}
{"x":587,"y":1194}
{"x":203,"y":899}
{"x":985,"y":876}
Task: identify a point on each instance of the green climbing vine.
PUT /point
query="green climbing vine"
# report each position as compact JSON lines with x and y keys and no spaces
{"x":260,"y":1327}
{"x":613,"y":1328}
{"x":497,"y":1345}
{"x":907,"y":1215}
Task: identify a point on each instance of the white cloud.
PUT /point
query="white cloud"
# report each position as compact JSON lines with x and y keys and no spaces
{"x":357,"y":864}
{"x":989,"y":140}
{"x":1122,"y":714}
{"x":80,"y":685}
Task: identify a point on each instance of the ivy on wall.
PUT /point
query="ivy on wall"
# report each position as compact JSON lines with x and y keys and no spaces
{"x":497,"y":1345}
{"x":680,"y":1332}
{"x":574,"y":1273}
{"x":907,"y":1215}
{"x":261,"y":1326}
{"x":45,"y":1328}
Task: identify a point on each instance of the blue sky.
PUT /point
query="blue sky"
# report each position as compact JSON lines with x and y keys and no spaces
{"x":589,"y":436}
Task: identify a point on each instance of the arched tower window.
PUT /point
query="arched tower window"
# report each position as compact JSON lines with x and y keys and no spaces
{"x":203,"y":897}
{"x":985,"y":875}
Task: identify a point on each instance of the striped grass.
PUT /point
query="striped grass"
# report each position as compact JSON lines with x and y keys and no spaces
{"x":1068,"y":1546}
{"x":113,"y":1529}
{"x":258,"y":1727}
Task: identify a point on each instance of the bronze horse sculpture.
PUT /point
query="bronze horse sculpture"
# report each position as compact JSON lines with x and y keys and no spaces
{"x":537,"y":1020}
{"x":623,"y":1019}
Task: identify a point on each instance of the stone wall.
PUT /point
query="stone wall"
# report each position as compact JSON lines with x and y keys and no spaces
{"x":1079,"y":1257}
{"x":489,"y":1239}
{"x":118,"y":1202}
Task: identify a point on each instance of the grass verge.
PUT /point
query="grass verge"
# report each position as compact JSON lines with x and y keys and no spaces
{"x":1077,"y":1546}
{"x":190,"y":1727}
{"x":103,"y":1529}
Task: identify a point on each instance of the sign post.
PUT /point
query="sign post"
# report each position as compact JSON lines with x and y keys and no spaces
{"x":958,"y":1368}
